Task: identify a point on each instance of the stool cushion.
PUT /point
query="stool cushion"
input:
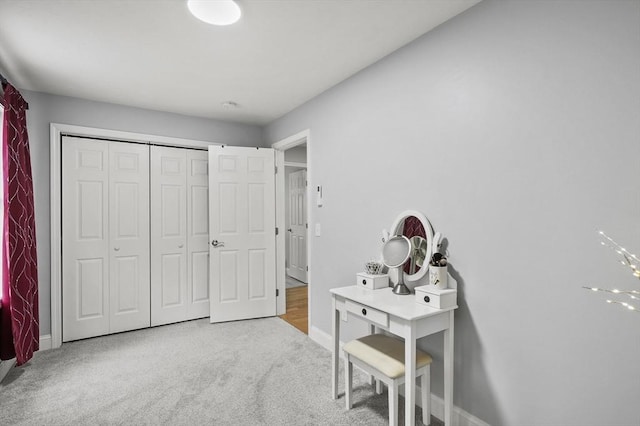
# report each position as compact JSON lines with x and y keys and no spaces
{"x":385,"y":353}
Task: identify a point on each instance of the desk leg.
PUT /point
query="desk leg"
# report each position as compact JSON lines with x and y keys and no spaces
{"x":410,"y":374}
{"x":335,"y":355}
{"x":448,"y":371}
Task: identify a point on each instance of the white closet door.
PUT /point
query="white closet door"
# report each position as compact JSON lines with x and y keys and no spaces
{"x":168,"y":235}
{"x":129,"y":236}
{"x":198,"y":235}
{"x":85,"y":238}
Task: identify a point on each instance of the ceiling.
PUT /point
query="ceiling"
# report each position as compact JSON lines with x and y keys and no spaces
{"x":155,"y":55}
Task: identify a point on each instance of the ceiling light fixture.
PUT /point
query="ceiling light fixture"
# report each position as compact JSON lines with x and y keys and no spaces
{"x":215,"y":12}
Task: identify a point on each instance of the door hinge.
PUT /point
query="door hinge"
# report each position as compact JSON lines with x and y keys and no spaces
{"x":306,"y":225}
{"x":276,"y":167}
{"x":307,"y":269}
{"x":277,"y":292}
{"x":276,"y":230}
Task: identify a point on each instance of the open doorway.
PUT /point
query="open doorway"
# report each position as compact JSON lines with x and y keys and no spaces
{"x":292,"y":213}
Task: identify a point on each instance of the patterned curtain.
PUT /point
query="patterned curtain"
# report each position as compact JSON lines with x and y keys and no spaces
{"x":19,"y":320}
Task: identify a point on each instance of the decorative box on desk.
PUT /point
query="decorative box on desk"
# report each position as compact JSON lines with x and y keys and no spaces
{"x":436,"y":298}
{"x":372,"y":282}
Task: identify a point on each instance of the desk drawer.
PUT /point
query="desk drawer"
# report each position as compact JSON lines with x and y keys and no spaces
{"x":370,"y":314}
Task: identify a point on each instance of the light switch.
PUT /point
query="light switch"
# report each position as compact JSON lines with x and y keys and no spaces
{"x":318,"y":230}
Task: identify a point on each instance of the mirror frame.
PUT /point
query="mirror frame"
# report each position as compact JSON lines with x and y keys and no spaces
{"x":428,"y":231}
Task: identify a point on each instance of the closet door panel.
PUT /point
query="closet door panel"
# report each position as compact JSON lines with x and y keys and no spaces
{"x":129,"y":236}
{"x":169,"y":301}
{"x":198,"y":234}
{"x":85,"y":234}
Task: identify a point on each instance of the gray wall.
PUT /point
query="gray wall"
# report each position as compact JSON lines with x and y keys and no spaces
{"x":297,"y":154}
{"x":45,"y":109}
{"x":515,"y":128}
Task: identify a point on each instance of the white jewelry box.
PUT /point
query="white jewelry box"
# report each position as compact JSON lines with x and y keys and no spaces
{"x":436,"y":298}
{"x":372,"y":282}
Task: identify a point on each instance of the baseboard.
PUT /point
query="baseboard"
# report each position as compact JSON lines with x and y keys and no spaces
{"x":45,"y":342}
{"x":5,"y":367}
{"x":459,"y":416}
{"x":320,"y":337}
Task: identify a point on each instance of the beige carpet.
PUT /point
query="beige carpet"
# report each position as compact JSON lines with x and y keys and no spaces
{"x":257,"y":372}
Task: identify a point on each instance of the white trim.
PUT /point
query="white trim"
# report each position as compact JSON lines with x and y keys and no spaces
{"x":281,"y":300}
{"x":5,"y":367}
{"x":320,"y":337}
{"x":56,"y":235}
{"x":459,"y":416}
{"x":45,"y":342}
{"x":295,"y":164}
{"x":56,"y":131}
{"x":280,"y":146}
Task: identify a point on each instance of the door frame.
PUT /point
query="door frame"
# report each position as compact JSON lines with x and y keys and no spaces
{"x":55,"y":175}
{"x":281,"y":146}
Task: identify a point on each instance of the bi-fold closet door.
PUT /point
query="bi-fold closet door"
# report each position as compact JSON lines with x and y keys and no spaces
{"x":105,"y":237}
{"x":179,"y":235}
{"x":134,"y":236}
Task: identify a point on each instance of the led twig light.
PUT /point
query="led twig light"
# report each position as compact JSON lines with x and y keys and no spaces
{"x":628,"y":259}
{"x":625,"y":304}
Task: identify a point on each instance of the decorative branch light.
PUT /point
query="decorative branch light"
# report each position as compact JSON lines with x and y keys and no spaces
{"x":629,"y":260}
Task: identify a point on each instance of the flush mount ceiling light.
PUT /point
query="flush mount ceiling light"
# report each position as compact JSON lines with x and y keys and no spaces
{"x":215,"y":12}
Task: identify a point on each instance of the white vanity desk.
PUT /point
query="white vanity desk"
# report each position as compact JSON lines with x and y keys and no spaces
{"x":403,"y":316}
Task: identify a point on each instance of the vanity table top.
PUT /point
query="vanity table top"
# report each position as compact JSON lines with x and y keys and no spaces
{"x":402,"y":306}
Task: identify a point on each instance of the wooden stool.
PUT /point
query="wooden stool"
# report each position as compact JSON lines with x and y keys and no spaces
{"x":382,"y":356}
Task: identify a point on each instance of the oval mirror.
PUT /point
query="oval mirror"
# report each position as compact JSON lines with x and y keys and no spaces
{"x":416,"y":227}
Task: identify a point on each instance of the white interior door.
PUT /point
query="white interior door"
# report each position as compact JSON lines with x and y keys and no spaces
{"x":198,"y":234}
{"x":128,"y":236}
{"x":298,"y":225}
{"x":85,"y":238}
{"x":242,"y":233}
{"x":168,"y":235}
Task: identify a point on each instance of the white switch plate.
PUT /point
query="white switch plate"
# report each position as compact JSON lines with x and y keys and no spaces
{"x":318,"y":230}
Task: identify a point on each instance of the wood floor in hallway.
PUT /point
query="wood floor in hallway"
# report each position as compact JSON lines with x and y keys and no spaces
{"x":297,"y":308}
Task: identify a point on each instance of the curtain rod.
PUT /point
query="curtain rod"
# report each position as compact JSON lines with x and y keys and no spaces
{"x":3,"y":80}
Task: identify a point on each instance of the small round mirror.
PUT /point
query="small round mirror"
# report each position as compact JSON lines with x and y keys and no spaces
{"x":395,"y":252}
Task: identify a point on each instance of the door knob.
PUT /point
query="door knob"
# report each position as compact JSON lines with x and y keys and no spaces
{"x":217,"y":243}
{"x":180,"y":245}
{"x":116,"y":248}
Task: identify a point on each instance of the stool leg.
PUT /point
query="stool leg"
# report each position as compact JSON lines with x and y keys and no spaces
{"x":425,"y":388}
{"x":393,"y":404}
{"x":348,"y":380}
